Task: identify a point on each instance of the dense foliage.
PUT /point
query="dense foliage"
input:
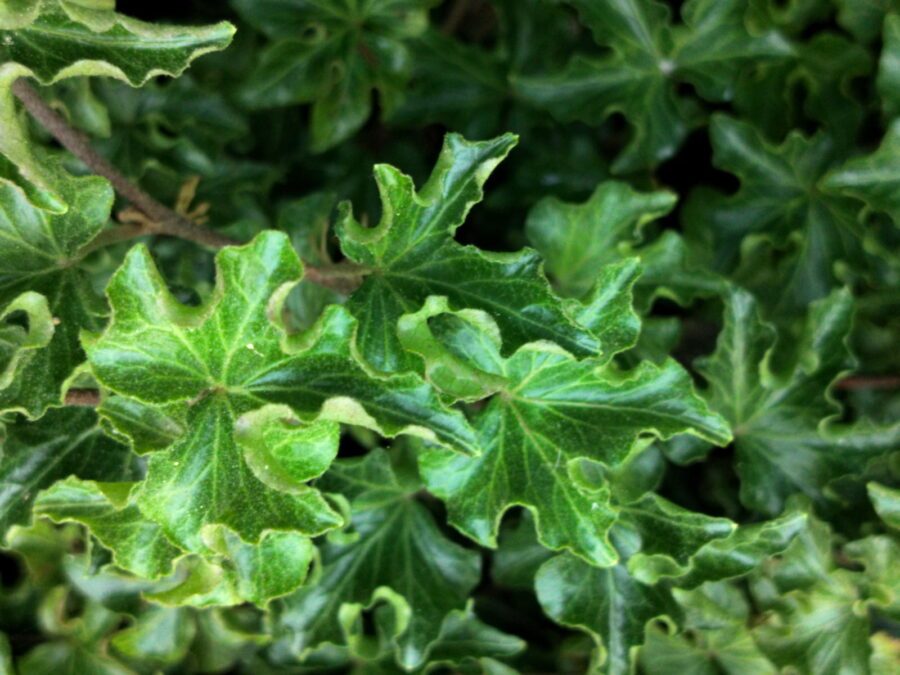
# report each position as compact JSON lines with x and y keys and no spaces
{"x":600,"y":372}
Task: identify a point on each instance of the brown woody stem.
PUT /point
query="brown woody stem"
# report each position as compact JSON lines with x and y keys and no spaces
{"x":859,"y":382}
{"x":163,"y":220}
{"x":87,"y":398}
{"x":160,"y":219}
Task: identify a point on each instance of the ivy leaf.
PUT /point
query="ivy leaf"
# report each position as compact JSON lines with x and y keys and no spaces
{"x":578,"y":240}
{"x":396,"y":555}
{"x":656,"y":539}
{"x":465,"y":641}
{"x":460,"y":350}
{"x":138,"y":545}
{"x":864,"y":18}
{"x":783,"y":436}
{"x":158,"y":638}
{"x":275,"y":567}
{"x":650,"y":56}
{"x":411,"y":254}
{"x":333,"y":55}
{"x":886,"y":502}
{"x":608,"y":604}
{"x":40,"y":254}
{"x":459,"y":85}
{"x":742,"y":553}
{"x":64,"y":442}
{"x":782,"y":199}
{"x":667,"y":535}
{"x":18,"y":344}
{"x":713,"y":639}
{"x":227,"y":358}
{"x":817,"y":613}
{"x":553,"y":412}
{"x":790,"y":15}
{"x":889,"y":67}
{"x":55,"y":40}
{"x":816,"y":85}
{"x":143,"y":426}
{"x":875,"y":178}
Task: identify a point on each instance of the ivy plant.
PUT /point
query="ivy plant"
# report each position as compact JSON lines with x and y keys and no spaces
{"x":471,"y":336}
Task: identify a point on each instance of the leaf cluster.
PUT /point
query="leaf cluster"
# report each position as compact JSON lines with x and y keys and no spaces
{"x":553,"y":336}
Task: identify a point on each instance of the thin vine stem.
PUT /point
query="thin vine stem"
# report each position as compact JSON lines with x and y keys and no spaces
{"x":161,"y":220}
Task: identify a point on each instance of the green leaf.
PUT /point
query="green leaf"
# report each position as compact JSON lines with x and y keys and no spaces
{"x":742,"y":553}
{"x":459,"y":85}
{"x":40,"y":254}
{"x":334,"y":55}
{"x":228,"y":358}
{"x":649,"y":58}
{"x":158,"y":638}
{"x":875,"y":178}
{"x":608,"y":604}
{"x":818,"y":618}
{"x":18,"y":343}
{"x":137,"y":545}
{"x":886,"y":502}
{"x":144,"y":426}
{"x":57,"y":40}
{"x":411,"y":254}
{"x":396,"y":556}
{"x":577,"y":240}
{"x":782,"y":202}
{"x":714,"y":638}
{"x":889,"y":67}
{"x":275,"y":567}
{"x":554,"y":412}
{"x":784,"y":439}
{"x":61,"y":40}
{"x":467,"y":642}
{"x":817,"y":85}
{"x":460,"y":350}
{"x":667,"y":535}
{"x":64,"y":442}
{"x":863,"y":18}
{"x":790,"y":15}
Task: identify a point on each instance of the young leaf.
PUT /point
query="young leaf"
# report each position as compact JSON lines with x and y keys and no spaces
{"x":396,"y":555}
{"x":158,"y":638}
{"x":19,"y":344}
{"x":411,"y":254}
{"x":818,"y":613}
{"x":864,"y":19}
{"x":227,"y":358}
